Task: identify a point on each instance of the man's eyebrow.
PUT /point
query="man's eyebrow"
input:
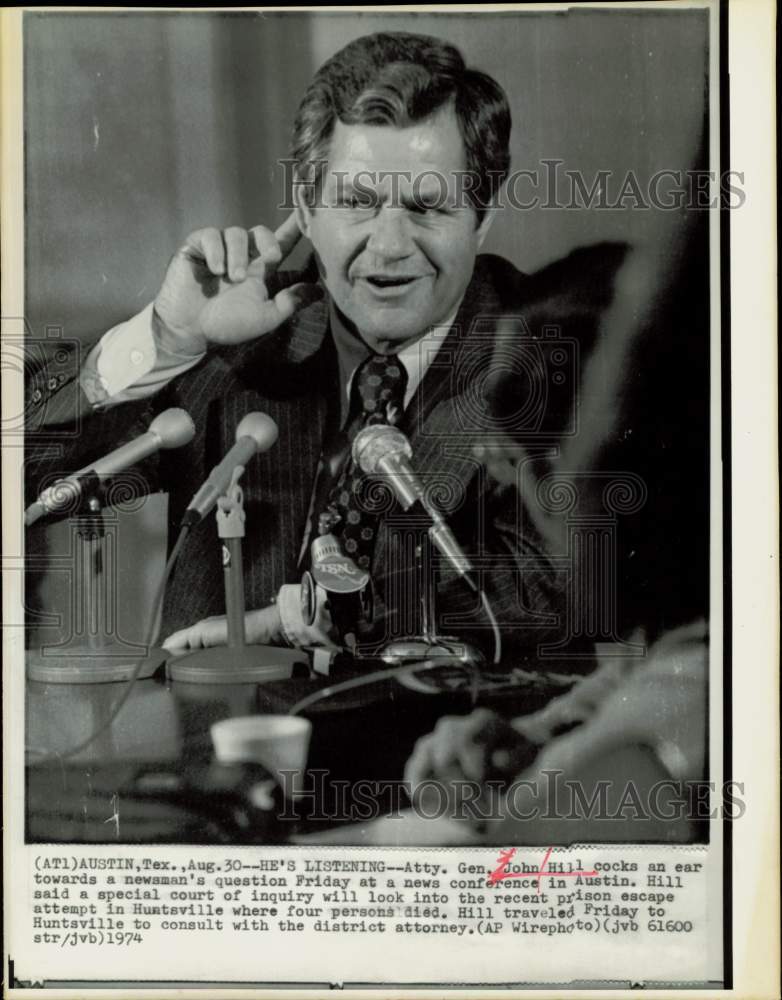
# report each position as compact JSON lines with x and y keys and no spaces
{"x":428,"y":194}
{"x":363,"y":186}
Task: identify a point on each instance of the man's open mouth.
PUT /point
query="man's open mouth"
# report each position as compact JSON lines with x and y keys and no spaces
{"x":382,"y":281}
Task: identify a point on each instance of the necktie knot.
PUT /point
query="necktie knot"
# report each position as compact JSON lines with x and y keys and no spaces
{"x":381,"y":382}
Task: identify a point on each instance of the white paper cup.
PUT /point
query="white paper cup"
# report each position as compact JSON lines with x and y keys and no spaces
{"x":279,"y":742}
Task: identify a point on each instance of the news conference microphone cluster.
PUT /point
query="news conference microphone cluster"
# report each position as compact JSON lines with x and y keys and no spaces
{"x":379,"y":450}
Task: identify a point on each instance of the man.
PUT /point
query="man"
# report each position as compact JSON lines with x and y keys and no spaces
{"x":400,"y":151}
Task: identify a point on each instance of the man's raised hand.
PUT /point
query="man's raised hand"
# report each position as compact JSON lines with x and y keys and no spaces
{"x":216,"y":286}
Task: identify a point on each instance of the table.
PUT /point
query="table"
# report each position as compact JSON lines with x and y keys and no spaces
{"x":151,"y":777}
{"x":161,"y":740}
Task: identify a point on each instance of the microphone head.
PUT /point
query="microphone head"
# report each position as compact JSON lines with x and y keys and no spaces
{"x":376,"y":442}
{"x":173,"y":428}
{"x":260,"y":427}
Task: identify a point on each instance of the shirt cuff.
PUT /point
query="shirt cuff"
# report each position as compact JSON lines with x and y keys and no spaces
{"x":127,"y":353}
{"x":135,"y":359}
{"x":294,"y":629}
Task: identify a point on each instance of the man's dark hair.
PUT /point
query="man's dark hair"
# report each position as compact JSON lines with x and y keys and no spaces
{"x":397,"y":78}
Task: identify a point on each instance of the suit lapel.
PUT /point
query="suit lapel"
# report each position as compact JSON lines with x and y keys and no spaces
{"x":446,"y":415}
{"x":447,"y":408}
{"x":448,"y":376}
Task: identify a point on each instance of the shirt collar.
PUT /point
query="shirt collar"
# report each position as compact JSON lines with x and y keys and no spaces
{"x":352,"y":351}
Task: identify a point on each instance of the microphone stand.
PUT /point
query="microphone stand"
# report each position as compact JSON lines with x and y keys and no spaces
{"x":237,"y":663}
{"x":428,"y":647}
{"x":92,"y":655}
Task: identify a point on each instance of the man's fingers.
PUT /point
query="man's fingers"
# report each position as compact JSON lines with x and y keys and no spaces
{"x":259,"y":627}
{"x":212,"y":632}
{"x":230,"y":251}
{"x":236,"y":246}
{"x":209,"y":632}
{"x":177,"y":641}
{"x":264,"y":245}
{"x":206,"y":245}
{"x":262,"y":625}
{"x":290,"y":300}
{"x":288,"y":234}
{"x":273,"y":247}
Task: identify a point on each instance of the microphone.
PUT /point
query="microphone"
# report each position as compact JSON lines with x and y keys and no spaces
{"x":170,"y":429}
{"x":255,"y":432}
{"x":383,"y":450}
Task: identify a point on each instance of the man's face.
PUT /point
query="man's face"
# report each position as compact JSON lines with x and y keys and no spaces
{"x":395,"y":240}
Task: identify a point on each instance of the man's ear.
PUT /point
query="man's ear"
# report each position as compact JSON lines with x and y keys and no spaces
{"x":485,"y":224}
{"x":302,"y":209}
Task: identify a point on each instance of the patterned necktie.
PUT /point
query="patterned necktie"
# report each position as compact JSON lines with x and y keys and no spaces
{"x":379,"y":387}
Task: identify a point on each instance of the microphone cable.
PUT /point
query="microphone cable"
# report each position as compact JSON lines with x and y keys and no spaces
{"x":397,"y":673}
{"x":47,"y":755}
{"x":494,"y":627}
{"x":370,"y":678}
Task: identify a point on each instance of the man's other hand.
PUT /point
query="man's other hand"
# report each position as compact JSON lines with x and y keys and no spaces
{"x":262,"y":626}
{"x":215,"y":289}
{"x":477,"y":747}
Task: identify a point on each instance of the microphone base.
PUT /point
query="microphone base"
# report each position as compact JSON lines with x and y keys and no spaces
{"x":241,"y":665}
{"x":446,"y":650}
{"x":446,"y":656}
{"x":90,"y":666}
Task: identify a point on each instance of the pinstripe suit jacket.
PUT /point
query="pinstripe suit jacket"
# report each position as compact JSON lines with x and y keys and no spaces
{"x":292,"y":375}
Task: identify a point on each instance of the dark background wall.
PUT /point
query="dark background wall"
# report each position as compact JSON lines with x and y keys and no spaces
{"x":142,"y":127}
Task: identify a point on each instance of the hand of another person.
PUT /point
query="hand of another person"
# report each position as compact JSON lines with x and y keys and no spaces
{"x":261,"y":626}
{"x":475,"y":747}
{"x":215,"y":289}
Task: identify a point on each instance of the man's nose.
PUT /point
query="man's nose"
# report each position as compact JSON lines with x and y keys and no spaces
{"x":391,"y":237}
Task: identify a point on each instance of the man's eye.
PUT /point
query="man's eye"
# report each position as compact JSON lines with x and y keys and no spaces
{"x":355,"y":201}
{"x":422,"y":206}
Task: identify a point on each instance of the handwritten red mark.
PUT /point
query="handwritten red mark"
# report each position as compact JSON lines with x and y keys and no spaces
{"x":501,"y":873}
